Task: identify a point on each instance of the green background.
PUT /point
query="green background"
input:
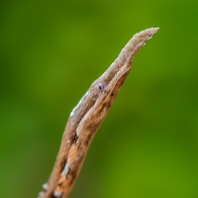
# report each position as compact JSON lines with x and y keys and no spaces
{"x":50,"y":53}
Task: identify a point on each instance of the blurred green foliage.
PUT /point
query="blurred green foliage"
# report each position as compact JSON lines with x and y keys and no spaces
{"x":51,"y":51}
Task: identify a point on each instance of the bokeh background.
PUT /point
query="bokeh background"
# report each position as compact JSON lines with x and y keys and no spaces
{"x":50,"y":53}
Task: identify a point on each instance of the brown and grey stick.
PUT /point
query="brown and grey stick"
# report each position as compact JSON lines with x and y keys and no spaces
{"x":86,"y":118}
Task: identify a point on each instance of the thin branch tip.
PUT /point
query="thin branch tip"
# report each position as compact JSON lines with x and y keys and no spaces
{"x":149,"y":31}
{"x":153,"y":30}
{"x":156,"y":28}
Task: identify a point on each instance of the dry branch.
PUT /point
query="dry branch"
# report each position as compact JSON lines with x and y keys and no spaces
{"x":86,"y":118}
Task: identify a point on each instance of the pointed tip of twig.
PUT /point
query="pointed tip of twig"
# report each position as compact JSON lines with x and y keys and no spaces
{"x":135,"y":43}
{"x":154,"y":30}
{"x":149,"y":32}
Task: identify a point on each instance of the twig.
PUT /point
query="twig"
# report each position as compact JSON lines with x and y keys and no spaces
{"x":86,"y":118}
